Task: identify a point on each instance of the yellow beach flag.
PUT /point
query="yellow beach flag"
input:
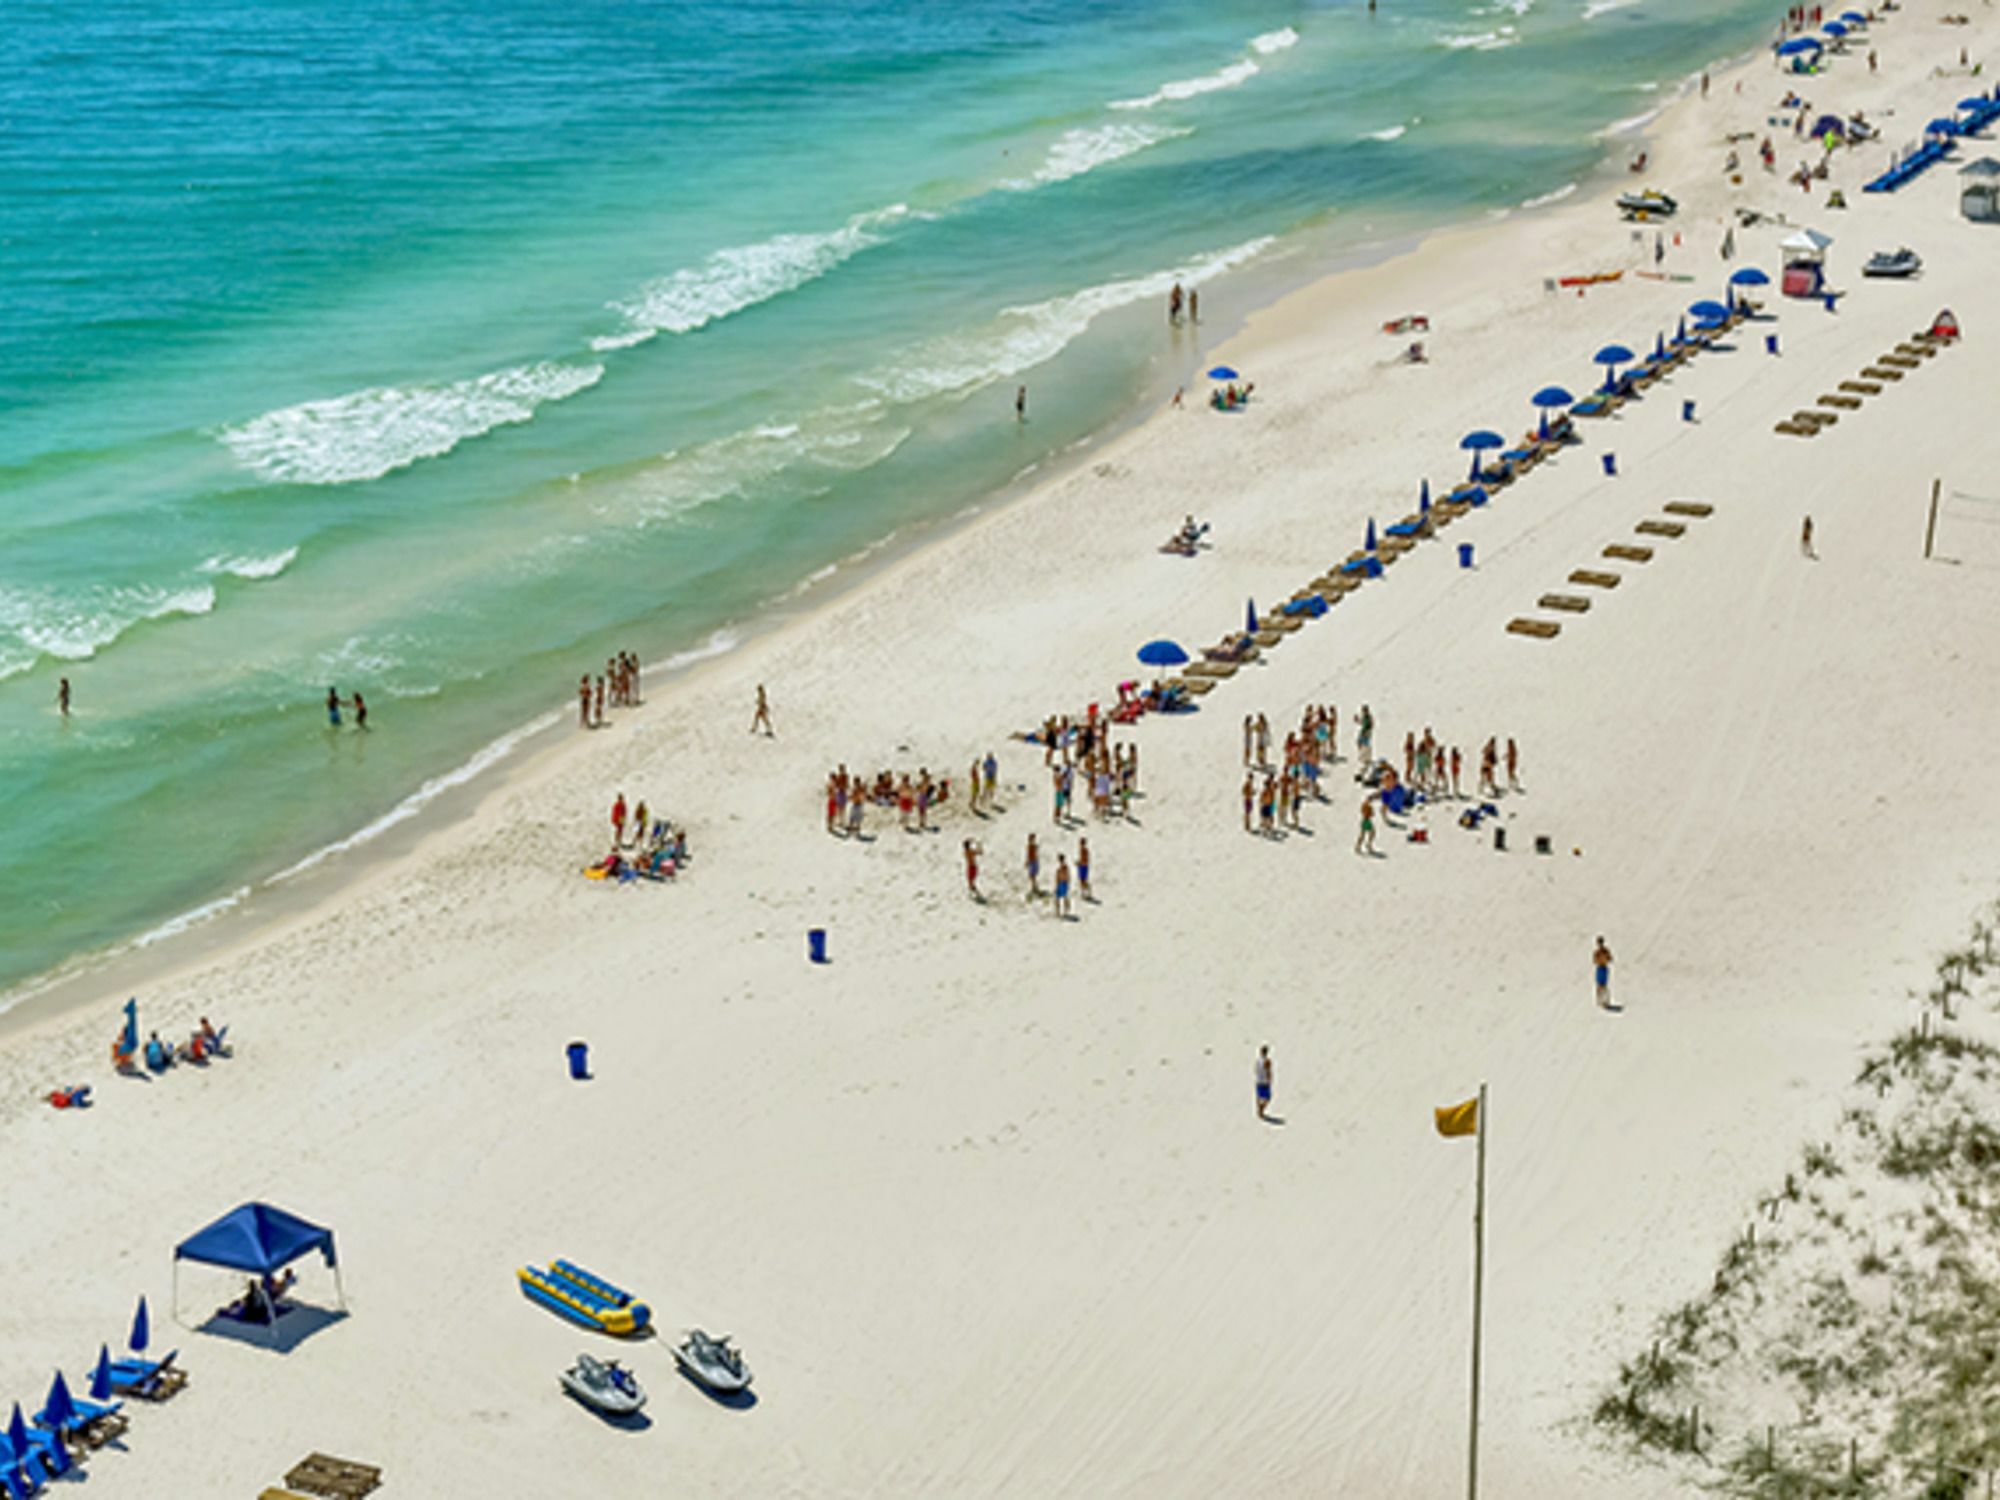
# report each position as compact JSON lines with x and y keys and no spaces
{"x":1458,"y":1119}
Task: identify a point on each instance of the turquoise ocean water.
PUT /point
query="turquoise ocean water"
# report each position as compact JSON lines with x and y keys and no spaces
{"x":436,"y":349}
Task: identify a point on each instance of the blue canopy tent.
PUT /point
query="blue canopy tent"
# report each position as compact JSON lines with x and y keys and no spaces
{"x":260,"y":1240}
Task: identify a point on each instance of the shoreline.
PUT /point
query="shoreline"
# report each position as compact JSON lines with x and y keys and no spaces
{"x":241,"y":915}
{"x":979,"y":1123}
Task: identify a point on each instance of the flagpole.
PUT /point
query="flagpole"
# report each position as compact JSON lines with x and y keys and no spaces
{"x":1478,"y":1293}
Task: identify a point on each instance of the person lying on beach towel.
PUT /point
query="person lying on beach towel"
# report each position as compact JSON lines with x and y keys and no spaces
{"x":71,"y":1098}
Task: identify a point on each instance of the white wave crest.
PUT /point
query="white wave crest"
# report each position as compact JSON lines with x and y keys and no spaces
{"x":1392,"y":132}
{"x":742,"y":276}
{"x":367,"y":434}
{"x":1023,"y":337}
{"x":1629,"y":124}
{"x":252,"y":567}
{"x":1235,"y":74}
{"x":1274,"y":41}
{"x":1545,"y":199}
{"x":1597,"y":8}
{"x":1087,"y":148}
{"x":1481,"y":41}
{"x":76,"y":625}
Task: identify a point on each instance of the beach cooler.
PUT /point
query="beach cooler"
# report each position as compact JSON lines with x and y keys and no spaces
{"x":1801,"y":281}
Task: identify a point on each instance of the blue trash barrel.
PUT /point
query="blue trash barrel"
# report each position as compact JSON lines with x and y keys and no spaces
{"x":1610,"y":465}
{"x":579,"y":1060}
{"x":1465,"y":554}
{"x":1687,"y":411}
{"x":816,"y":945}
{"x":1770,"y":343}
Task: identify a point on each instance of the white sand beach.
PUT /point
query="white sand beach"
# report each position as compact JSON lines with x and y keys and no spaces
{"x":984,"y":1199}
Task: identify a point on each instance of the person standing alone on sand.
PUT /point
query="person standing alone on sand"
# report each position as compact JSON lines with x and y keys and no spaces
{"x":762,"y":718}
{"x":1805,"y":540}
{"x":1062,"y":886}
{"x":1034,"y":868}
{"x":972,"y":870}
{"x":1083,"y":870}
{"x":618,"y":821}
{"x":1263,"y":1074}
{"x":1513,"y":766}
{"x":1364,"y":841}
{"x":1194,"y":305}
{"x":62,"y":697}
{"x":1600,"y":960}
{"x":583,"y":702}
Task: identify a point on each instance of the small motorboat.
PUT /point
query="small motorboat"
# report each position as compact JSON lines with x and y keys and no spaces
{"x":713,"y":1362}
{"x":605,"y":1386}
{"x":1648,"y":204}
{"x":1903,"y":262}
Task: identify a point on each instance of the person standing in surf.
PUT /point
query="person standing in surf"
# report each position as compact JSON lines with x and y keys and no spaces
{"x":333,"y":707}
{"x":62,"y":694}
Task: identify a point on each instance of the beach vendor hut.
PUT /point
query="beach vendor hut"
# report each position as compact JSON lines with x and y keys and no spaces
{"x":1804,"y":251}
{"x":1979,"y":191}
{"x":258,"y":1240}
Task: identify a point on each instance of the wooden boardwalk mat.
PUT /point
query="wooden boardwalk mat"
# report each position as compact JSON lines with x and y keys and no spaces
{"x":1629,"y":554}
{"x":1659,"y":528}
{"x":1877,"y":372}
{"x":1845,"y":403}
{"x":1569,"y":604}
{"x":1862,"y":387}
{"x":1596,"y":580}
{"x":1898,"y":361}
{"x":1541,"y":630}
{"x":320,"y":1474}
{"x":1688,"y":508}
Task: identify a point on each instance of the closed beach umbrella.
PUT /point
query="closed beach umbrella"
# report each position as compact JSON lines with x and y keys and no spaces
{"x":129,"y":1042}
{"x":142,"y":1328}
{"x":17,"y":1433}
{"x":1162,"y":654}
{"x":61,"y":1410}
{"x":100,"y":1378}
{"x":1250,"y":616}
{"x":1681,"y":332}
{"x":1370,"y":543}
{"x":1424,"y":499}
{"x":1659,"y":347}
{"x":1222,"y":372}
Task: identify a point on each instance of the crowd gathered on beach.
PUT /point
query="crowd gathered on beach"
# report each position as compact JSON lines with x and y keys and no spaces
{"x":617,"y":686}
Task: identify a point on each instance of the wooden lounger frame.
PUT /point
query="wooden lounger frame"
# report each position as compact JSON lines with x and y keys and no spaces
{"x":321,"y":1474}
{"x":1660,"y":528}
{"x":1862,"y":387}
{"x":1845,"y":403}
{"x":1626,"y":553}
{"x":1596,"y":580}
{"x":1568,"y":603}
{"x":1876,"y":372}
{"x":1688,"y":508}
{"x":1541,"y":630}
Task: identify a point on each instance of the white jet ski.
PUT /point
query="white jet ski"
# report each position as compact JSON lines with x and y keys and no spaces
{"x":713,"y":1362}
{"x":609,"y":1388}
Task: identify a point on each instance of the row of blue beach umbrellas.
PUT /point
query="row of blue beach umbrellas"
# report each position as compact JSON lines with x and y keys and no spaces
{"x":1708,"y":314}
{"x":60,"y":1410}
{"x":1839,"y":27}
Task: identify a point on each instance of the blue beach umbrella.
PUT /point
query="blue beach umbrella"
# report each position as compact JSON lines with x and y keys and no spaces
{"x":1681,"y":332}
{"x":1749,"y":276}
{"x":1834,"y":28}
{"x":142,"y":1328}
{"x":1222,"y":372}
{"x":17,"y":1433}
{"x":1854,"y":18}
{"x":1551,"y":395}
{"x":61,"y":1408}
{"x":1162,"y":654}
{"x":1370,"y":543}
{"x":1250,"y":616}
{"x":129,"y":1041}
{"x":1708,"y":308}
{"x":1941,"y":127}
{"x":1659,"y":347}
{"x":1797,"y":45}
{"x":1611,"y":356}
{"x":1424,"y":499}
{"x":100,"y":1378}
{"x":1474,"y":442}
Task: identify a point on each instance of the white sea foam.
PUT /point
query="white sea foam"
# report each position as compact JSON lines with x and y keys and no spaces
{"x":1545,"y":199}
{"x":1596,"y":8}
{"x":367,"y":434}
{"x":1391,"y":132}
{"x":75,"y":626}
{"x":1629,"y":124}
{"x":1274,"y":41}
{"x":1236,"y":74}
{"x":1089,"y":147}
{"x":1480,"y":41}
{"x":1023,"y":337}
{"x":252,"y":567}
{"x":207,"y":912}
{"x":742,"y":276}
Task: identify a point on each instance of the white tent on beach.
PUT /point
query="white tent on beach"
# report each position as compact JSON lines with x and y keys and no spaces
{"x":1979,"y":191}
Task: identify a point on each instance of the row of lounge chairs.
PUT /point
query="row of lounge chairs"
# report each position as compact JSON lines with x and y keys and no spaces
{"x":1677,"y":352}
{"x":52,"y":1445}
{"x":1885,"y":371}
{"x":1674,"y":525}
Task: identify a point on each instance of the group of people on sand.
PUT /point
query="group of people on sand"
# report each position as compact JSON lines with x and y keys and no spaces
{"x":203,"y":1043}
{"x":618,"y":685}
{"x":1177,"y":299}
{"x":1083,"y":748}
{"x":1231,"y":397}
{"x":658,"y":848}
{"x":848,"y":797}
{"x":1064,"y":890}
{"x":1275,"y":805}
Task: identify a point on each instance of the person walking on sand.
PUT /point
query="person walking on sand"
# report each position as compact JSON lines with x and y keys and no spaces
{"x":618,"y":821}
{"x":1062,"y":887}
{"x":583,"y":702}
{"x":1194,"y":305}
{"x":762,"y":718}
{"x":1264,"y":1073}
{"x":1364,"y":841}
{"x":1174,"y":304}
{"x":972,"y":870}
{"x":1805,"y":540}
{"x":600,"y":701}
{"x":1034,"y":868}
{"x":1600,"y":960}
{"x":1364,"y":739}
{"x":1249,"y":737}
{"x":1083,"y":870}
{"x":1513,"y":766}
{"x":62,"y":697}
{"x":1249,"y":798}
{"x":992,"y":777}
